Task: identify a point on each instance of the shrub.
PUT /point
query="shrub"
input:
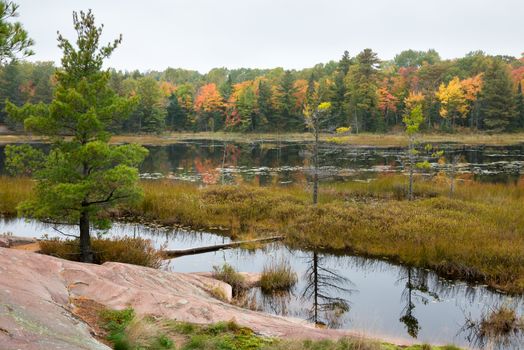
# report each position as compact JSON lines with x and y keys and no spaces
{"x":136,"y":251}
{"x":278,"y":276}
{"x":227,"y":273}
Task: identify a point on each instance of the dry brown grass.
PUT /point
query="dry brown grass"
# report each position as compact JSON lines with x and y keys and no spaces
{"x":390,"y":139}
{"x":476,"y":236}
{"x":136,"y":251}
{"x":277,"y":276}
{"x":12,"y":192}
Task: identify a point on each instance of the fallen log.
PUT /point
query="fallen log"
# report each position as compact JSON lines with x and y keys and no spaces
{"x":212,"y":248}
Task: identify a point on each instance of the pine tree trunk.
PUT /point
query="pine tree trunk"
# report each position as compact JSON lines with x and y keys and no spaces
{"x":86,"y":255}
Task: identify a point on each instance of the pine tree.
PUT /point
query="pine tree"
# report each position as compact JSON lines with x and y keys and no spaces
{"x":265,"y":111}
{"x":10,"y":81}
{"x":288,"y":117}
{"x":14,"y":41}
{"x":83,"y":175}
{"x":151,"y":112}
{"x":339,"y":90}
{"x":344,"y":63}
{"x":497,"y":99}
{"x":361,"y":96}
{"x":176,"y":116}
{"x":226,"y":88}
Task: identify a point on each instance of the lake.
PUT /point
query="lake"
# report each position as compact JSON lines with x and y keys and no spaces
{"x":281,"y":163}
{"x":371,"y":296}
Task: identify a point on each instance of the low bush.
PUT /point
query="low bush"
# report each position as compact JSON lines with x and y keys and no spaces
{"x":136,"y":251}
{"x":227,"y":273}
{"x":277,"y":276}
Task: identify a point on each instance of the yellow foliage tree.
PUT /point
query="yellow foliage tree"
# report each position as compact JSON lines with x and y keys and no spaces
{"x":453,"y":102}
{"x":413,"y":100}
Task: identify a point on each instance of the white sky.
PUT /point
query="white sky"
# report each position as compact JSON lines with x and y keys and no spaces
{"x":202,"y":34}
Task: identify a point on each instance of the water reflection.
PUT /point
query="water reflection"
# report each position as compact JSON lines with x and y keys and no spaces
{"x":264,"y":163}
{"x":363,"y":295}
{"x":416,"y":288}
{"x":280,"y":163}
{"x":325,"y":289}
{"x":498,"y":328}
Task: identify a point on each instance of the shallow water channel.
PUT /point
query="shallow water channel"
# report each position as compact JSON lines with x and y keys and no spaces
{"x":370,"y":296}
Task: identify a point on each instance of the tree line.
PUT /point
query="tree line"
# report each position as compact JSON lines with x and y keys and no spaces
{"x":477,"y":92}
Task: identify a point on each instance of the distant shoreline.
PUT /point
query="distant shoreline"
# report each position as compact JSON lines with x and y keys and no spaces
{"x":365,"y":139}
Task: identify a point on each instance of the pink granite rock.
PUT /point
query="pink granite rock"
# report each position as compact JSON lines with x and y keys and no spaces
{"x":35,"y":292}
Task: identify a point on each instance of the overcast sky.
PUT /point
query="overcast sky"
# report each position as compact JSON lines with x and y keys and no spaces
{"x":202,"y":34}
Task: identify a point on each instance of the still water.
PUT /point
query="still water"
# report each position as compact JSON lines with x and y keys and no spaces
{"x":365,"y":295}
{"x":263,"y":163}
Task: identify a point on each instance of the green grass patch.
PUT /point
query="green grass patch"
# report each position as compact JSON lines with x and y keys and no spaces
{"x":126,"y":331}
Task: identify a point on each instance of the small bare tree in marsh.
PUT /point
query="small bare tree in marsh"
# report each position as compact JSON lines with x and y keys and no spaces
{"x":314,"y":120}
{"x":412,"y":121}
{"x":456,"y":157}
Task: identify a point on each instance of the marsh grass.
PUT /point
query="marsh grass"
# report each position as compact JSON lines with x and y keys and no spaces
{"x":227,"y":273}
{"x":277,"y":276}
{"x":476,"y":235}
{"x":136,"y":251}
{"x":390,"y":139}
{"x":12,"y":192}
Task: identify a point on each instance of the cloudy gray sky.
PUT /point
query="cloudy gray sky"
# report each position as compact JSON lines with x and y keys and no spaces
{"x":202,"y":34}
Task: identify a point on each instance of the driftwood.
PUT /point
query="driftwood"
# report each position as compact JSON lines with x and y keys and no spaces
{"x":212,"y":248}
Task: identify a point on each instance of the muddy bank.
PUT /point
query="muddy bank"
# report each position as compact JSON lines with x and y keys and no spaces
{"x":36,"y":293}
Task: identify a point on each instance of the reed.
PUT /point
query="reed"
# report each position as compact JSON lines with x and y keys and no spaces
{"x":136,"y":251}
{"x":12,"y":192}
{"x":277,"y":276}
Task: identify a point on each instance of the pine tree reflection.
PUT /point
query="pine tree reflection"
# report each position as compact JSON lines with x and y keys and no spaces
{"x":321,"y":285}
{"x":416,"y":290}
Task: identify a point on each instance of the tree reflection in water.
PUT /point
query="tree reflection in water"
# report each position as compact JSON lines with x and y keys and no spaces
{"x":416,"y":290}
{"x":497,"y":328}
{"x":321,"y":285}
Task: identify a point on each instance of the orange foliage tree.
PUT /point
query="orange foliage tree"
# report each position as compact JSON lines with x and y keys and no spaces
{"x":209,"y":107}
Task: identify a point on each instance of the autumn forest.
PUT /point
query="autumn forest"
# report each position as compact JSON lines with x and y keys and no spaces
{"x":367,"y":94}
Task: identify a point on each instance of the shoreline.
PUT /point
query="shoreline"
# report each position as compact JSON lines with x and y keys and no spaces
{"x":186,"y":291}
{"x":372,"y":140}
